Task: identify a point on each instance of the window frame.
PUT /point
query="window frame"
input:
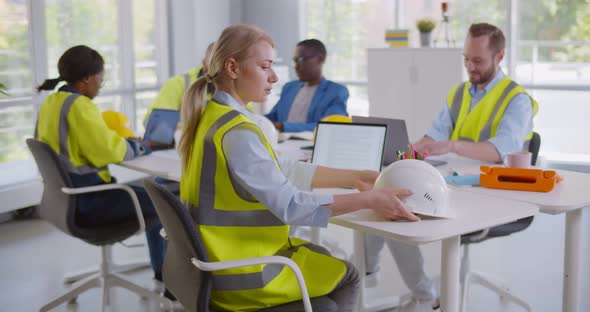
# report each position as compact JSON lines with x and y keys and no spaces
{"x":38,"y":48}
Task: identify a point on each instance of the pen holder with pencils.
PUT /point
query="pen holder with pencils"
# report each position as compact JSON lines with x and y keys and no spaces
{"x":410,"y":153}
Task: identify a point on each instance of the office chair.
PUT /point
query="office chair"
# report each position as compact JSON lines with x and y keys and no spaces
{"x":187,"y":272}
{"x":59,"y":205}
{"x":469,"y":277}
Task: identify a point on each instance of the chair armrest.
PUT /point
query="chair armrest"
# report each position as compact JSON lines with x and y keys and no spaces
{"x":222,"y":265}
{"x":108,"y":187}
{"x":480,"y":236}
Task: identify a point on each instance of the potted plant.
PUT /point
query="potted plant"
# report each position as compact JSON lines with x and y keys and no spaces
{"x":425,"y":26}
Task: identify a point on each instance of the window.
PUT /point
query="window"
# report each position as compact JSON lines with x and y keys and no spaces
{"x":551,"y":55}
{"x":348,"y":28}
{"x":135,"y":62}
{"x":16,"y":109}
{"x":553,"y":62}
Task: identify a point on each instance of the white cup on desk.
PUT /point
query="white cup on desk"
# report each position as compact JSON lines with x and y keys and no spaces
{"x":518,"y":159}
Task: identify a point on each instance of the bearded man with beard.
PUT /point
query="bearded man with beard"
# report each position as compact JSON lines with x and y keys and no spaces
{"x":485,"y":118}
{"x":490,"y":115}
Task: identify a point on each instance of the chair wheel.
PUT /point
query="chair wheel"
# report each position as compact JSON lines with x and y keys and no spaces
{"x":73,"y":300}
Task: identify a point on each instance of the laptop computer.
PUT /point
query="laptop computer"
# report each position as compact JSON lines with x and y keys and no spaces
{"x":160,"y":128}
{"x":397,"y":138}
{"x":349,"y":145}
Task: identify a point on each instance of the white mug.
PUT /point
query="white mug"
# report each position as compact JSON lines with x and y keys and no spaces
{"x":518,"y":160}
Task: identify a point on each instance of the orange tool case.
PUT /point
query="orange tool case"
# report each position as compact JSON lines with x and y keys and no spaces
{"x":519,"y":179}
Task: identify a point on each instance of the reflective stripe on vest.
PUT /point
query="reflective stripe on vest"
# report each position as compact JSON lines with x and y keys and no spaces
{"x":457,"y":101}
{"x":252,"y":280}
{"x":486,"y":131}
{"x":206,"y":214}
{"x":63,"y":132}
{"x":459,"y":107}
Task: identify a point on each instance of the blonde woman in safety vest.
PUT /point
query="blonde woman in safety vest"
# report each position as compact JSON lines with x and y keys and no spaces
{"x":72,"y":125}
{"x":243,"y":197}
{"x":484,"y":119}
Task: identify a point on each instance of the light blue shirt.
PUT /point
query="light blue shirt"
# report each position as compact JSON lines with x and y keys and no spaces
{"x":515,"y":125}
{"x":279,"y":190}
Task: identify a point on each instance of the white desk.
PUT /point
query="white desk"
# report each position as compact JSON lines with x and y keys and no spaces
{"x":166,"y":164}
{"x":489,"y":211}
{"x":569,"y":196}
{"x":470,"y":217}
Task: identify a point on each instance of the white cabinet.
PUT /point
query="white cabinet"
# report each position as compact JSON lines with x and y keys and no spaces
{"x":412,"y":84}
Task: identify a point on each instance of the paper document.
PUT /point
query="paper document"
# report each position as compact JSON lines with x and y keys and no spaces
{"x":305,"y":135}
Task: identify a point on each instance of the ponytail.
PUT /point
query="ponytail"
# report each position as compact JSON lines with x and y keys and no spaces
{"x":49,"y":84}
{"x":193,"y":104}
{"x":234,"y":42}
{"x":75,"y":64}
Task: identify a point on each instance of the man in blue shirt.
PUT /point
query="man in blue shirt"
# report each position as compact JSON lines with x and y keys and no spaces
{"x":484,"y":119}
{"x":306,"y":101}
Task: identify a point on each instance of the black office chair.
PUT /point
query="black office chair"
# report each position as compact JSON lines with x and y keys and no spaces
{"x":59,"y":205}
{"x":468,"y":277}
{"x":187,"y":272}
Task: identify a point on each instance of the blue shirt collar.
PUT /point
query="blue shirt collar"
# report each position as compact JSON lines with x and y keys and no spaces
{"x":223,"y":97}
{"x":499,"y":76}
{"x":67,"y":88}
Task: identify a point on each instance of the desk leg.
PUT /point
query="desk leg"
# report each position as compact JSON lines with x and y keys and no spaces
{"x":376,"y":304}
{"x":571,"y":270}
{"x":450,"y":266}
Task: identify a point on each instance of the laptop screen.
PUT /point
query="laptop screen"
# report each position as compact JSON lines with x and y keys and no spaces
{"x":397,"y":135}
{"x":161,"y":126}
{"x":397,"y":138}
{"x":349,"y":146}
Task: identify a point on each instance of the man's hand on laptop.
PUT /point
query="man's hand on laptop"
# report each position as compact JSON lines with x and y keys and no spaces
{"x":436,"y":148}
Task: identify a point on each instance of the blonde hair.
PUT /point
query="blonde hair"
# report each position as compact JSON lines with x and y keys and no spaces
{"x":234,"y":42}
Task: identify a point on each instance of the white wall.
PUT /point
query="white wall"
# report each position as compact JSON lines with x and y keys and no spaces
{"x":193,"y":24}
{"x":282,"y":24}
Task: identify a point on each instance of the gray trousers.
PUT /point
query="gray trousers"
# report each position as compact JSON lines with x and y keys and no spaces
{"x":409,"y":261}
{"x":342,"y":299}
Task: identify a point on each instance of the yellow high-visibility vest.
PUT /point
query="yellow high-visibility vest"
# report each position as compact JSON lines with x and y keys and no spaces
{"x":73,"y":126}
{"x":170,"y":95}
{"x":482,"y":122}
{"x":234,"y":225}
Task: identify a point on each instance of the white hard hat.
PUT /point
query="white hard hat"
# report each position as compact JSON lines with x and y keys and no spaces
{"x":267,"y":127}
{"x":430,"y":194}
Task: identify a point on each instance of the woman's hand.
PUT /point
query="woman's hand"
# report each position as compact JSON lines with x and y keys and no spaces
{"x":386,"y":203}
{"x":365,"y":180}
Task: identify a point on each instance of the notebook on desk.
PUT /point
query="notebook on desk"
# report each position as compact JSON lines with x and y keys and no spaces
{"x":397,"y":138}
{"x":159,"y":131}
{"x":349,"y":145}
